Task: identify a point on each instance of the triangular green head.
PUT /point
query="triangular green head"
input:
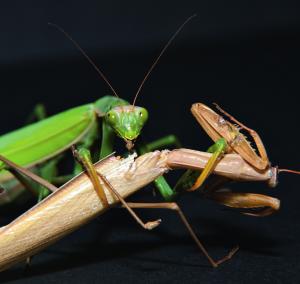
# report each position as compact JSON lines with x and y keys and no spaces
{"x":126,"y":120}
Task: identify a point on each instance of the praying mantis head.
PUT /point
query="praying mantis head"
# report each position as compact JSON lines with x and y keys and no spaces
{"x":127,"y":121}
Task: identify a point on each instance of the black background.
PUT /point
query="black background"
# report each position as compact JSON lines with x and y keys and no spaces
{"x":242,"y":55}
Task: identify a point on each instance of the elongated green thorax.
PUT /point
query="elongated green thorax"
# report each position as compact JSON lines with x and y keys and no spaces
{"x":127,"y":121}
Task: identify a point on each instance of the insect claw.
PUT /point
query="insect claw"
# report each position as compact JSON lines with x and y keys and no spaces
{"x":152,"y":225}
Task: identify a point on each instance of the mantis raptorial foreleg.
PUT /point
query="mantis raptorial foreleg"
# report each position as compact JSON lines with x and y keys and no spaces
{"x":263,"y":159}
{"x":217,"y":127}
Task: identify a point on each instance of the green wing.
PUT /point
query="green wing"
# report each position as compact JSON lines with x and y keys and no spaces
{"x":42,"y":140}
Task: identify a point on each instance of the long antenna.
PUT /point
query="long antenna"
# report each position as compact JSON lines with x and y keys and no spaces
{"x":160,"y":56}
{"x":88,"y":59}
{"x":289,"y":171}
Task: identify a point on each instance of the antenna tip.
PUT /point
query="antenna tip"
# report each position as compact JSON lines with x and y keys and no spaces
{"x":289,"y":171}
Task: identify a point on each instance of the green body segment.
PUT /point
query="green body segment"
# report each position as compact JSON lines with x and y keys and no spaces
{"x":40,"y":141}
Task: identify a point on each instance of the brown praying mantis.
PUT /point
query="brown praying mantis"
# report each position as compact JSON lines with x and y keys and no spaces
{"x":218,"y":128}
{"x":77,"y":202}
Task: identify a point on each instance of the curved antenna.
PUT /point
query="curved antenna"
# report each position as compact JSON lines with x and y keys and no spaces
{"x":289,"y":171}
{"x":88,"y":60}
{"x":160,"y":56}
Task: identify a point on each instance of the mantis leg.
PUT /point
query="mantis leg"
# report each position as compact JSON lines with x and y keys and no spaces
{"x":174,"y":206}
{"x":48,"y":172}
{"x":160,"y":183}
{"x":240,"y":200}
{"x":108,"y":140}
{"x":253,"y":133}
{"x":85,"y":159}
{"x":29,"y":174}
{"x":218,"y":150}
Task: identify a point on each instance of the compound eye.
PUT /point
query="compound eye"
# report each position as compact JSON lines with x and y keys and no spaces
{"x":142,"y":115}
{"x":112,"y":117}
